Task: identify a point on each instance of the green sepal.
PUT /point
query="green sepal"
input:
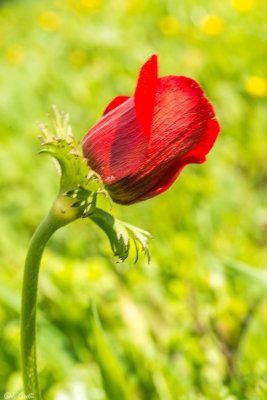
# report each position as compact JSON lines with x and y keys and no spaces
{"x":58,"y":142}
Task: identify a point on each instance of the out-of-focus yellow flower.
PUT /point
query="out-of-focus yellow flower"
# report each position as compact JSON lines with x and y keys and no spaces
{"x":94,"y":273}
{"x":193,"y":60}
{"x":211,"y":25}
{"x":177,"y":288}
{"x":15,"y":54}
{"x":77,"y":57}
{"x":168,"y":25}
{"x":135,"y":6}
{"x":256,"y":86}
{"x":91,"y":5}
{"x":64,"y":4}
{"x":49,"y":21}
{"x":243,"y":6}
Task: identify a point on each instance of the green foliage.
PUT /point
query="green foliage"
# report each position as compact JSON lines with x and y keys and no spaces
{"x":192,"y":324}
{"x":118,"y":233}
{"x":113,"y":379}
{"x":247,"y":271}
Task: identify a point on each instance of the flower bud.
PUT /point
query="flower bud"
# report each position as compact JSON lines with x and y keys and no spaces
{"x":142,"y":142}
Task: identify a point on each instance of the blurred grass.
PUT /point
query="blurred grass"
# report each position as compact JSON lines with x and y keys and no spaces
{"x":182,"y":327}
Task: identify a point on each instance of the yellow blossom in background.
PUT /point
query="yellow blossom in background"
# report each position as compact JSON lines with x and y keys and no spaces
{"x":135,"y":6}
{"x":256,"y":86}
{"x":168,"y":25}
{"x":15,"y":54}
{"x":91,"y":5}
{"x":211,"y":25}
{"x":243,"y":6}
{"x":94,"y":273}
{"x":77,"y":57}
{"x":64,"y":4}
{"x":49,"y":21}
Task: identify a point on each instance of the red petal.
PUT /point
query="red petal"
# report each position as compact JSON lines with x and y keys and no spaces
{"x":115,"y":103}
{"x":179,"y":121}
{"x":198,"y":153}
{"x":116,"y":146}
{"x":196,"y":156}
{"x":183,"y":131}
{"x":145,"y":94}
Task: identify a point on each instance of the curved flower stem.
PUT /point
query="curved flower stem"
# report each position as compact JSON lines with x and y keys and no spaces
{"x":60,"y":215}
{"x":28,"y":305}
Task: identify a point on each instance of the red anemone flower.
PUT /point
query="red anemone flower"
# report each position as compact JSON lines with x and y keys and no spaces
{"x":142,"y":142}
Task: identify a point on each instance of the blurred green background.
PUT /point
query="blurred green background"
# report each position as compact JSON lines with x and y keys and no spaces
{"x":192,"y":324}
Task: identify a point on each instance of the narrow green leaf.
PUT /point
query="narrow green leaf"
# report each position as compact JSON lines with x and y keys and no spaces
{"x":113,"y":379}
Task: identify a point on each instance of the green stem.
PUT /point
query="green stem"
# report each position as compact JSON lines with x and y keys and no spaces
{"x":60,"y":215}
